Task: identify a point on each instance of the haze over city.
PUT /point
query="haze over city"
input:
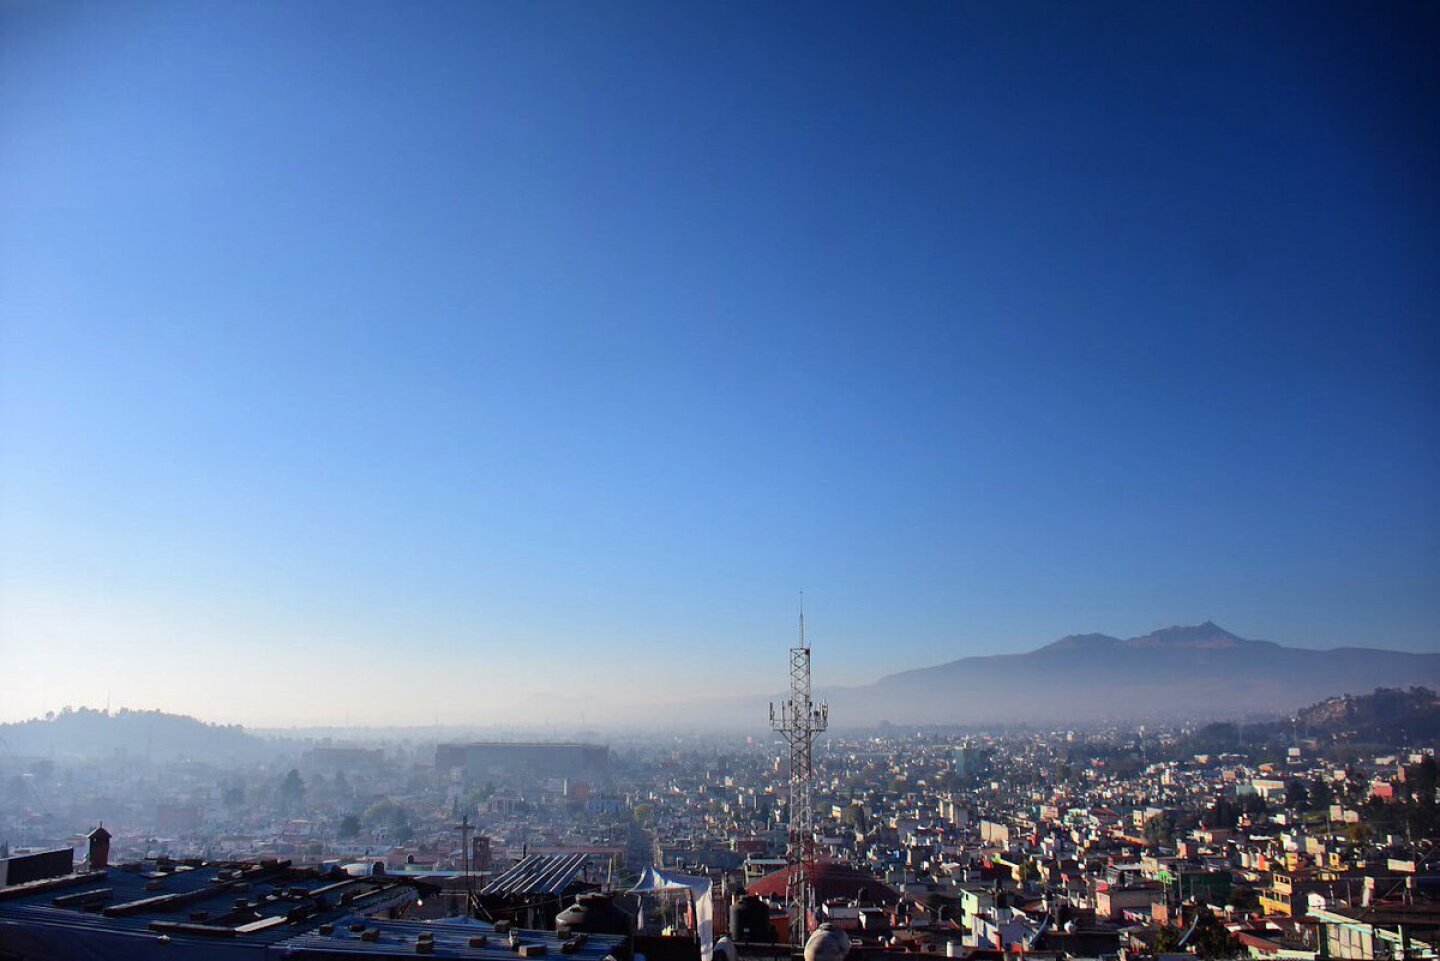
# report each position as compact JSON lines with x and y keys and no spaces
{"x":453,"y":363}
{"x":618,"y":480}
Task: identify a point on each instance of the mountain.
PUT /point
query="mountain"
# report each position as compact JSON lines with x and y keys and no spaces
{"x":89,"y":733}
{"x":1195,"y":671}
{"x":1207,"y":636}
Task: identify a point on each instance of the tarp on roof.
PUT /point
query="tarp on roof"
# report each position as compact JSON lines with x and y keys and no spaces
{"x":656,"y":881}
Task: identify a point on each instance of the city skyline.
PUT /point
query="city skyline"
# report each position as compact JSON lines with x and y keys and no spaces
{"x":447,"y":357}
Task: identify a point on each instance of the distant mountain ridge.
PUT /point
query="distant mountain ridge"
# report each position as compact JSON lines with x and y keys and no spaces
{"x":1200,"y":670}
{"x":1207,"y":635}
{"x":90,"y":733}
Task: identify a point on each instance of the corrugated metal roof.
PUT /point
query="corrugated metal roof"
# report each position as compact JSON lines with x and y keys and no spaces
{"x":249,"y":912}
{"x":214,"y":910}
{"x":538,"y":874}
{"x":451,"y":940}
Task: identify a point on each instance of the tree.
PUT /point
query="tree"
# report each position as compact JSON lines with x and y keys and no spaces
{"x":854,"y":815}
{"x":1211,"y":939}
{"x":1245,"y":899}
{"x":1168,"y":940}
{"x":1422,"y":780}
{"x":1418,"y":807}
{"x":349,"y":826}
{"x":389,"y":817}
{"x":1222,"y":815}
{"x":1159,"y":830}
{"x":292,"y":791}
{"x":1357,"y":832}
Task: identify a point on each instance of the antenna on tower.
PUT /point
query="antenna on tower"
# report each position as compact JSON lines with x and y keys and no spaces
{"x":798,"y":721}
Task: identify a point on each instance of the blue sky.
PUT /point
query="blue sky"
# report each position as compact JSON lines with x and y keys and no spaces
{"x":434,"y":356}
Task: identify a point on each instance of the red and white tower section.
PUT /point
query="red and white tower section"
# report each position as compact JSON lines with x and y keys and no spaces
{"x":798,"y":721}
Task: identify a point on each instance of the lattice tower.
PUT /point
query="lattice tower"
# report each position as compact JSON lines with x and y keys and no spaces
{"x":798,"y":721}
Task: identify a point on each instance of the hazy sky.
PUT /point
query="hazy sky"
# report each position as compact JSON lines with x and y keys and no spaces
{"x":415,"y":360}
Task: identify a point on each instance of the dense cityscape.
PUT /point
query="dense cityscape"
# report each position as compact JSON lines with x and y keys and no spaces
{"x":1304,"y":837}
{"x":676,"y":480}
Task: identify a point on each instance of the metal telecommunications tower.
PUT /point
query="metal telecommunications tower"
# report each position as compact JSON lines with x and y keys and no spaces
{"x":799,"y":720}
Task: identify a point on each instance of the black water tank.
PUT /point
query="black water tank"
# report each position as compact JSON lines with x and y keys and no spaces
{"x":750,"y":921}
{"x":596,"y":914}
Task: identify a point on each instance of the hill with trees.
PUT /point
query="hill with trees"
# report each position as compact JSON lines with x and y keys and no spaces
{"x":1339,"y":728}
{"x":87,"y":733}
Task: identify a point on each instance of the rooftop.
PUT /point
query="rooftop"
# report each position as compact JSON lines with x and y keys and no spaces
{"x":242,"y":910}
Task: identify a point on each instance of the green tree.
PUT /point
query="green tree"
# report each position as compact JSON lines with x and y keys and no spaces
{"x":854,"y":815}
{"x":1222,"y":815}
{"x":1245,"y":899}
{"x":1211,"y":939}
{"x":349,"y":826}
{"x":391,"y":818}
{"x":1422,"y":780}
{"x":1419,"y":808}
{"x":1159,"y":830}
{"x":292,"y":791}
{"x":1168,"y":940}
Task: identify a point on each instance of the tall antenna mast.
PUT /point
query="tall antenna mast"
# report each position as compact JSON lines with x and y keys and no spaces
{"x":799,"y":720}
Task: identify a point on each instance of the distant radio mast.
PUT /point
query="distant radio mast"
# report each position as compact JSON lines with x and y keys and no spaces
{"x":799,"y":720}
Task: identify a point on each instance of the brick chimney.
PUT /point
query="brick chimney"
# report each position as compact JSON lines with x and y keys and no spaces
{"x":99,"y":848}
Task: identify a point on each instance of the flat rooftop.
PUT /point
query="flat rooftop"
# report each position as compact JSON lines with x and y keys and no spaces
{"x":242,"y":910}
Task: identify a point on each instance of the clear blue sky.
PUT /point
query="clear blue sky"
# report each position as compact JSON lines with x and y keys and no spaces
{"x":438,"y":355}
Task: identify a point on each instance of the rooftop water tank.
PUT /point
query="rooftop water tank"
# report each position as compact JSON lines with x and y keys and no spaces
{"x":595,"y":914}
{"x":827,"y":944}
{"x":750,"y":921}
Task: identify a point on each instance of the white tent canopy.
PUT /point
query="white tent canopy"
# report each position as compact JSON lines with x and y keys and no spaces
{"x":655,"y":881}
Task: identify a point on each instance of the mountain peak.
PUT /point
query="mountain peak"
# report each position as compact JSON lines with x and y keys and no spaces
{"x":1082,"y":642}
{"x":1208,"y":634}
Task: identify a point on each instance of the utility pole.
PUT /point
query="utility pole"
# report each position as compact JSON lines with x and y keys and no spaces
{"x":799,"y":720}
{"x":464,"y":827}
